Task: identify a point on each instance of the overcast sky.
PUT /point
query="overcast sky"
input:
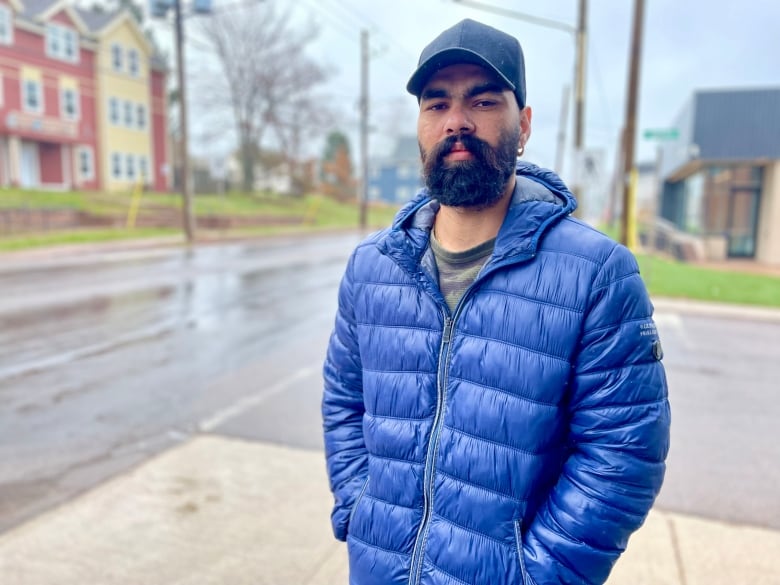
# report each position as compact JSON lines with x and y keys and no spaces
{"x":688,"y":45}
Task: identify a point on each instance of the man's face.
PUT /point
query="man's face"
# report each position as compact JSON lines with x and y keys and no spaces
{"x":469,"y":130}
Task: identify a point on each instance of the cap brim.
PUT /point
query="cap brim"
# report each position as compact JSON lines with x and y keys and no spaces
{"x":445,"y":58}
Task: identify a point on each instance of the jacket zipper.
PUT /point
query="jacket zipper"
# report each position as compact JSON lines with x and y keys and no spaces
{"x":428,"y":475}
{"x":430,"y":457}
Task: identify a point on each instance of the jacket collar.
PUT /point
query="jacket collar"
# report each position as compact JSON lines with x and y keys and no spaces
{"x":540,"y":198}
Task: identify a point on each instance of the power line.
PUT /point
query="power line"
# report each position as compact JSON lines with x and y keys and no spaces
{"x":339,"y":25}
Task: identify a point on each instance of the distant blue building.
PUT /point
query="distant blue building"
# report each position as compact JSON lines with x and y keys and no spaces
{"x":721,"y":177}
{"x":396,"y":179}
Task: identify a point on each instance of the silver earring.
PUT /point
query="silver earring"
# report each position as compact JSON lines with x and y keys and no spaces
{"x":521,"y":150}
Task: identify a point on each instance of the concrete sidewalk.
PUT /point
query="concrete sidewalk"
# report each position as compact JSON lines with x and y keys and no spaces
{"x":228,"y":512}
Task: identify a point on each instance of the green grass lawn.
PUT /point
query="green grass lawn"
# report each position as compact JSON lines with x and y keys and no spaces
{"x":85,"y":236}
{"x":664,"y":278}
{"x":668,"y":278}
{"x":311,"y":212}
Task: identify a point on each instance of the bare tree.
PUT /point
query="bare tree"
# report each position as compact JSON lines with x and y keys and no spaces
{"x":266,"y":77}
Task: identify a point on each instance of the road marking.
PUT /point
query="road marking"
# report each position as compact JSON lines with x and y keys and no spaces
{"x":66,"y":357}
{"x":672,"y":323}
{"x":240,"y":407}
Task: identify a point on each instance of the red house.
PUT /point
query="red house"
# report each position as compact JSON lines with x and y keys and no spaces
{"x":50,"y":113}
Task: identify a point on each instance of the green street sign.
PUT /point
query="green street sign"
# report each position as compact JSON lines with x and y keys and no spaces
{"x":661,"y":134}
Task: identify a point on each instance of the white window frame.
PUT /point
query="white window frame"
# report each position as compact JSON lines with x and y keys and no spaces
{"x":128,"y":114}
{"x":140,"y":116}
{"x":403,"y":194}
{"x":130,"y":169}
{"x":57,"y":38}
{"x":26,"y":94}
{"x":86,"y":154}
{"x":114,"y":115}
{"x":143,"y":168}
{"x":133,"y":62}
{"x":63,"y":103}
{"x":7,"y":18}
{"x":70,"y":39}
{"x":117,"y":58}
{"x":52,"y":36}
{"x":117,"y":168}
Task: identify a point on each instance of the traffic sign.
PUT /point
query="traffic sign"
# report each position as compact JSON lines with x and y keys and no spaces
{"x":661,"y":134}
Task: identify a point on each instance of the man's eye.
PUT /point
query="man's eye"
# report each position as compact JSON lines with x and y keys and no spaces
{"x":485,"y":103}
{"x":437,"y":106}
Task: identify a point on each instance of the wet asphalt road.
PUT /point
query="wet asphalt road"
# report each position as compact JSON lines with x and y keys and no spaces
{"x":106,"y":361}
{"x":103,"y":364}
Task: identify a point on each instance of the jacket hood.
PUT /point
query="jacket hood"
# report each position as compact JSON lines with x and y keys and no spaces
{"x":540,"y":198}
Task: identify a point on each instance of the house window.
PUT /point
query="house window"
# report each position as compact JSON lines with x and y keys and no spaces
{"x":86,"y":161}
{"x":403,"y":194}
{"x":130,"y":167}
{"x":61,"y":43}
{"x":69,"y":104}
{"x":53,"y":40}
{"x":31,"y":90}
{"x":6,"y":25}
{"x":129,"y":114}
{"x":69,"y":45}
{"x":117,"y":61}
{"x":140,"y":116}
{"x":113,"y":110}
{"x":132,"y":62}
{"x":116,"y":165}
{"x":143,"y":168}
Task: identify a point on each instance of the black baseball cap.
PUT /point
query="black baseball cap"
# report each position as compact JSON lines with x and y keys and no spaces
{"x":472,"y":42}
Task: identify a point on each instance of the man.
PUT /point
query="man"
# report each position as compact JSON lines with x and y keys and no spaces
{"x":495,"y":409}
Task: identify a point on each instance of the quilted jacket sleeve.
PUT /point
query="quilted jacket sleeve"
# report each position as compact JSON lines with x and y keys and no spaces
{"x":342,"y":410}
{"x":619,"y":436}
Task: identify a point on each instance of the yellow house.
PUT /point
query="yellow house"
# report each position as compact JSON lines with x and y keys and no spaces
{"x":123,"y":79}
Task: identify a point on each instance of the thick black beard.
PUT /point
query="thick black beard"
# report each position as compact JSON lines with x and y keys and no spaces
{"x":478,"y":183}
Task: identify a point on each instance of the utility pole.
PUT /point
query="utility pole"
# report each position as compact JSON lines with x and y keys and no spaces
{"x":627,"y":231}
{"x":564,"y":121}
{"x":186,"y":191}
{"x":581,"y":44}
{"x":363,"y":196}
{"x":579,"y":102}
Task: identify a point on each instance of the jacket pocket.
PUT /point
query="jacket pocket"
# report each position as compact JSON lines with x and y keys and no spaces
{"x":355,"y":505}
{"x":526,"y":578}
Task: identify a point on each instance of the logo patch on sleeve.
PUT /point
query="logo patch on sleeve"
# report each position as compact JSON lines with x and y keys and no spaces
{"x":658,"y":351}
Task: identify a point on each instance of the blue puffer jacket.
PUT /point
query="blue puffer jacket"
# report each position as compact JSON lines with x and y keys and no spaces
{"x":517,"y":440}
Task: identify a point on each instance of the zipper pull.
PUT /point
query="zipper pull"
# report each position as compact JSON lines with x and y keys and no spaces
{"x":447,"y":330}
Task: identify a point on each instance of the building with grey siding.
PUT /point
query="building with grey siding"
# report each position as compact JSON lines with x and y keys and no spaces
{"x":722,"y":174}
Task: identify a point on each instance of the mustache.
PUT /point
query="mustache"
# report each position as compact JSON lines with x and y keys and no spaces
{"x":476,"y":146}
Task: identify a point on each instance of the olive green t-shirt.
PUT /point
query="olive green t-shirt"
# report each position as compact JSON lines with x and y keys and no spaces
{"x":457,"y":270}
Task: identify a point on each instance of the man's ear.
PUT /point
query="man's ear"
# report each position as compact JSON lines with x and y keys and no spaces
{"x":525,"y":125}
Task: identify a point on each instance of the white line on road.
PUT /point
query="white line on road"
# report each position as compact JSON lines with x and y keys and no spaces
{"x":66,"y":357}
{"x":673,"y":324}
{"x":240,"y":407}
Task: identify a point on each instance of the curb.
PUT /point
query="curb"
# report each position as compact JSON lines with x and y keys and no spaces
{"x":711,"y":309}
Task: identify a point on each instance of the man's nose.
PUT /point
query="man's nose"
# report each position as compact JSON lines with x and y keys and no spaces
{"x":458,"y":120}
